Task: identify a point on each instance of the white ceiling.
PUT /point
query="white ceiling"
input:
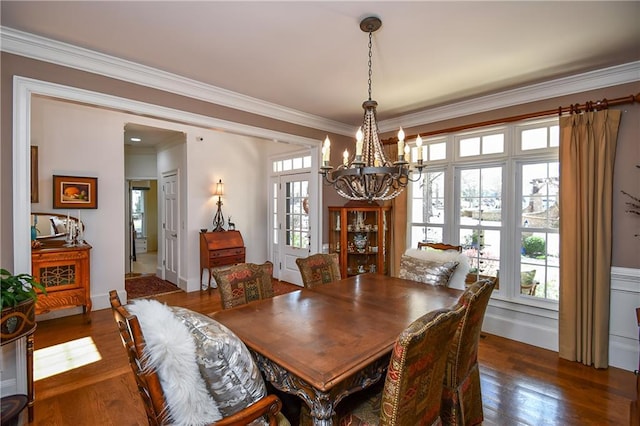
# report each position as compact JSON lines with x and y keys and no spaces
{"x":312,"y":56}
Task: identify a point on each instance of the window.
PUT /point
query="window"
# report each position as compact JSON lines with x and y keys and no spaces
{"x":480,"y":217}
{"x":538,"y":229}
{"x":137,"y":212}
{"x":294,"y":163}
{"x":427,"y":217}
{"x":497,"y":196}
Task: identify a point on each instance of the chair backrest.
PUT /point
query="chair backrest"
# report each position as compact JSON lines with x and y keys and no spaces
{"x":319,"y":269}
{"x":150,"y":387}
{"x":462,"y":404}
{"x":244,"y":283}
{"x":463,"y":354}
{"x":147,"y":379}
{"x":426,"y":271}
{"x":418,"y":363}
{"x":439,"y":246}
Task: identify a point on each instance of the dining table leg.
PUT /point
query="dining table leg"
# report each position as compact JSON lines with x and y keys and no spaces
{"x":321,"y":404}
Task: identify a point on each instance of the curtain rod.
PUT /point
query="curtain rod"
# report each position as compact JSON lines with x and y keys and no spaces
{"x":603,"y":104}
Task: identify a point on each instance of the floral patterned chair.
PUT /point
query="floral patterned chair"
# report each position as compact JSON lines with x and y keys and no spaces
{"x":244,"y":283}
{"x":462,"y":397}
{"x":319,"y":269}
{"x":412,"y":391}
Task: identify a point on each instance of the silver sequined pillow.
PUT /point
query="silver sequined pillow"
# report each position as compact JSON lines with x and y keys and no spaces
{"x":225,"y":363}
{"x":426,"y":271}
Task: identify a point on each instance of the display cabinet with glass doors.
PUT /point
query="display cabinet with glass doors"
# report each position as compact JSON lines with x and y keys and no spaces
{"x":360,"y":235}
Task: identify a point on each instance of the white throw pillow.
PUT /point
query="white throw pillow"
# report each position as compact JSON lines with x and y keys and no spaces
{"x":460,"y":274}
{"x":171,"y":351}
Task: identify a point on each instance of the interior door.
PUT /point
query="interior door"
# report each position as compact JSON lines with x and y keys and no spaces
{"x":294,"y":224}
{"x":170,"y":226}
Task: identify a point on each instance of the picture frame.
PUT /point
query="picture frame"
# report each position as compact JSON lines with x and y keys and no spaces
{"x":75,"y":192}
{"x":34,"y":174}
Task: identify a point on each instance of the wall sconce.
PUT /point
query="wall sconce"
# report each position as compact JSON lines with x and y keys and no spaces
{"x":218,"y":219}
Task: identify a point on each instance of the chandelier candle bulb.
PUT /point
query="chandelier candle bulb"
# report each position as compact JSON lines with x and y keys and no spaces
{"x":419,"y":146}
{"x":326,"y":150}
{"x":359,"y":139}
{"x":400,"y":143}
{"x":345,"y":157}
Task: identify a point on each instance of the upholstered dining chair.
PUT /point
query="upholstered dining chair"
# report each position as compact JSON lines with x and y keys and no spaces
{"x":426,"y":271}
{"x":149,"y":382}
{"x":319,"y":269}
{"x":412,"y":391}
{"x":462,"y":397}
{"x":438,"y":246}
{"x":244,"y":283}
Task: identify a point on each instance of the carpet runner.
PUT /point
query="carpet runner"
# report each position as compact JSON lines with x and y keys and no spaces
{"x":148,"y":286}
{"x":152,"y":286}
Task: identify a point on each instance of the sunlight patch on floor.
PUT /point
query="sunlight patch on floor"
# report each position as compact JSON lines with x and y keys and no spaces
{"x":66,"y":356}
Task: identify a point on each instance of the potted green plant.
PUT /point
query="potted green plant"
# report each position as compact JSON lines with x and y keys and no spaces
{"x":18,"y":295}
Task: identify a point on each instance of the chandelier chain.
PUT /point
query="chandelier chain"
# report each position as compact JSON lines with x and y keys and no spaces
{"x":370,"y":56}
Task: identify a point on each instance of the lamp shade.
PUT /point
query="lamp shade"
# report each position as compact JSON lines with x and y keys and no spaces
{"x":219,"y":188}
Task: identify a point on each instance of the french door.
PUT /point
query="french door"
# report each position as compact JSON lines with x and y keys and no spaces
{"x":291,"y":224}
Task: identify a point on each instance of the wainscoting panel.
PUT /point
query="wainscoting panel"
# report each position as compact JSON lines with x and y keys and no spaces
{"x":624,"y":347}
{"x":539,"y":327}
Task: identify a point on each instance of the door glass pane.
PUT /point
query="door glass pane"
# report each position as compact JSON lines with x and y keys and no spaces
{"x":296,"y":217}
{"x":275,"y":213}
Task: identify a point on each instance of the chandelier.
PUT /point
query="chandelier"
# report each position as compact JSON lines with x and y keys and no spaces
{"x":369,"y":175}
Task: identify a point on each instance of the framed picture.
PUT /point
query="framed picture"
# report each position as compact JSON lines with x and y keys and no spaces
{"x":34,"y":174}
{"x":75,"y":192}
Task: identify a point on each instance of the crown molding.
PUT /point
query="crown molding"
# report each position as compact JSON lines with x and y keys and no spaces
{"x":44,"y":49}
{"x":67,"y":55}
{"x":607,"y":77}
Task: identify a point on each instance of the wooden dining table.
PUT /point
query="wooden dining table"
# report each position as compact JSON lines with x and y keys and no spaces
{"x":326,"y":343}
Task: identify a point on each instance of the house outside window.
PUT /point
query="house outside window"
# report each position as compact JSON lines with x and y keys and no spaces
{"x":495,"y":192}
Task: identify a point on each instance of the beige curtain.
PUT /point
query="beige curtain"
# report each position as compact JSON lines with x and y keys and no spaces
{"x":587,"y":153}
{"x":398,"y":220}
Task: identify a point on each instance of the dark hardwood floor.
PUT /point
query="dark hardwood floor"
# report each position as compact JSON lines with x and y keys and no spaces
{"x":521,"y":384}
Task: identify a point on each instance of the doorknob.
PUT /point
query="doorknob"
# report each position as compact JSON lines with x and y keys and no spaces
{"x":174,"y":235}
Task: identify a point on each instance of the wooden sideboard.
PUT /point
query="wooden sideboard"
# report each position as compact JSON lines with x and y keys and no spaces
{"x":220,"y":249}
{"x":64,"y":271}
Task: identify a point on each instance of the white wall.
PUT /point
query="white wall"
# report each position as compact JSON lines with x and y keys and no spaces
{"x":85,"y":141}
{"x":241,"y":163}
{"x":140,"y":163}
{"x":81,"y":141}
